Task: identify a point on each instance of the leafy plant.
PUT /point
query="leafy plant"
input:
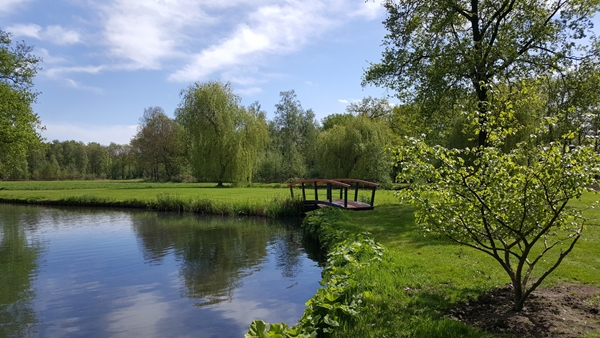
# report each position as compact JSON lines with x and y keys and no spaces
{"x":340,"y":298}
{"x":513,"y":206}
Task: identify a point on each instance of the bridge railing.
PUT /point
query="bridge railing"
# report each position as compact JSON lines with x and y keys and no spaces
{"x":315,"y":185}
{"x":357,"y":184}
{"x":339,"y":183}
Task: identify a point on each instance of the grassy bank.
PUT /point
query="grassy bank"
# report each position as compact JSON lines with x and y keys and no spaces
{"x":420,"y":277}
{"x":181,"y":197}
{"x":270,"y":200}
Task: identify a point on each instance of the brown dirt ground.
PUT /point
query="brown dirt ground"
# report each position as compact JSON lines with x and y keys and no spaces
{"x":565,"y":311}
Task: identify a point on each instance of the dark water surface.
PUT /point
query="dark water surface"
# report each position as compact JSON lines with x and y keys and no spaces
{"x":68,"y":272}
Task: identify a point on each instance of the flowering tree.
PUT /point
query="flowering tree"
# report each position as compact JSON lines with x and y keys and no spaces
{"x":512,"y":205}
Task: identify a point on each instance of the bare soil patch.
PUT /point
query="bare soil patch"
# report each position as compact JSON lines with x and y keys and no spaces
{"x":565,"y":311}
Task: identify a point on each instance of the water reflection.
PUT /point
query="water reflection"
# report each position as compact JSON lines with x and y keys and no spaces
{"x":18,"y":263}
{"x":215,"y":252}
{"x":122,"y":273}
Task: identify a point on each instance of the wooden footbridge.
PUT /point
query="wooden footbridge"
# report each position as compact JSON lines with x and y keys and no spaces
{"x":332,"y":188}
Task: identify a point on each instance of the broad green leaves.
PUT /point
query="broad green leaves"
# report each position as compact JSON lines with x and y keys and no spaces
{"x":341,"y":297}
{"x":258,"y":329}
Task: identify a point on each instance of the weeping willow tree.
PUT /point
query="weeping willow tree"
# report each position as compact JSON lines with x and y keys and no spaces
{"x":355,"y":148}
{"x":224,"y":138}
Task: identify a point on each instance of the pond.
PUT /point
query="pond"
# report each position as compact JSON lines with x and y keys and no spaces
{"x":69,"y":272}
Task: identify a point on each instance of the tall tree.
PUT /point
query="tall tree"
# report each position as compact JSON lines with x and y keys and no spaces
{"x":355,"y":148}
{"x":19,"y":125}
{"x":574,"y":99}
{"x":120,"y":161}
{"x":295,"y":133}
{"x":332,"y":120}
{"x":158,"y":144}
{"x":437,"y":49}
{"x":223,"y":137}
{"x":371,"y":107}
{"x":97,"y":159}
{"x":71,"y":157}
{"x":36,"y":161}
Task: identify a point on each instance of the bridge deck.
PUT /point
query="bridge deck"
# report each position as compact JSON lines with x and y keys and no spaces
{"x":353,"y":205}
{"x":332,"y":187}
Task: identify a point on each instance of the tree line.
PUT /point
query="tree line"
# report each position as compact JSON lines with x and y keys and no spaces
{"x":212,"y":137}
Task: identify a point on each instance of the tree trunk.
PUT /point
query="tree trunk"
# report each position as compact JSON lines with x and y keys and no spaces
{"x":520,"y":293}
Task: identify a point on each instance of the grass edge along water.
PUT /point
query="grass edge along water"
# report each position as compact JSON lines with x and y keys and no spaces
{"x":269,"y":207}
{"x":339,"y":300}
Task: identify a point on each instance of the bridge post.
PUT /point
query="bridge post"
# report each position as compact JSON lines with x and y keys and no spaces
{"x":303,"y":192}
{"x":345,"y":198}
{"x":373,"y":197}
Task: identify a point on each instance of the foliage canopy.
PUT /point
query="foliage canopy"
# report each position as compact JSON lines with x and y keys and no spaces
{"x":435,"y":50}
{"x":355,"y":147}
{"x":223,"y":137}
{"x":19,"y":125}
{"x":158,"y":144}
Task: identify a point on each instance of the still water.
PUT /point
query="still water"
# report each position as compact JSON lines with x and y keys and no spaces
{"x":68,"y":272}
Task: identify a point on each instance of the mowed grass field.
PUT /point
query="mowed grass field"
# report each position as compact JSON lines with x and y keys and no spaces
{"x":148,"y":191}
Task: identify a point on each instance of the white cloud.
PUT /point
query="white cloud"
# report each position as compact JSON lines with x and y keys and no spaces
{"x":139,"y":314}
{"x":74,"y":84}
{"x":248,"y":76}
{"x":274,"y":29}
{"x":103,"y":134}
{"x":55,"y":34}
{"x":48,"y":59}
{"x":30,"y":30}
{"x":61,"y":36}
{"x":228,"y":39}
{"x":146,"y":32}
{"x":55,"y":72}
{"x":347,"y":101}
{"x":7,"y":6}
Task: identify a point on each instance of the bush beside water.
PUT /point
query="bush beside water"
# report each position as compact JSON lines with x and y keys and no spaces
{"x":341,"y":298}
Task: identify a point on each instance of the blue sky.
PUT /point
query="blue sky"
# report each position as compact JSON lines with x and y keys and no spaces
{"x":105,"y":61}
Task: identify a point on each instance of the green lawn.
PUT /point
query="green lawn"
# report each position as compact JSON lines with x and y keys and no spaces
{"x":129,"y":190}
{"x":422,"y":276}
{"x":148,"y":191}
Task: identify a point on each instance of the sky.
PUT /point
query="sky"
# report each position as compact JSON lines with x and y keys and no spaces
{"x":104,"y":62}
